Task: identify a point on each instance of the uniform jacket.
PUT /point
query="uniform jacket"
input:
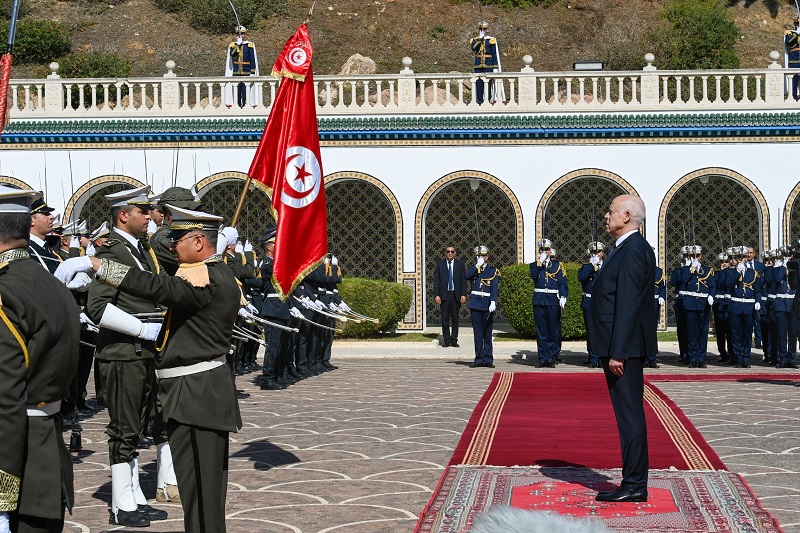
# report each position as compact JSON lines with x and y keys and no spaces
{"x":586,"y":275}
{"x":44,"y":318}
{"x":660,"y":288}
{"x":724,"y":280}
{"x":485,"y":51}
{"x":161,"y":245}
{"x":791,"y":43}
{"x":696,"y":285}
{"x":484,"y":280}
{"x":265,"y":297}
{"x":44,"y":256}
{"x":551,"y":278}
{"x":111,"y":345}
{"x":784,"y":294}
{"x":745,"y":291}
{"x":440,"y":275}
{"x":622,"y":312}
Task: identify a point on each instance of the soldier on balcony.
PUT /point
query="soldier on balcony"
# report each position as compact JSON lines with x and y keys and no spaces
{"x":791,"y":54}
{"x":487,"y":59}
{"x":241,"y":61}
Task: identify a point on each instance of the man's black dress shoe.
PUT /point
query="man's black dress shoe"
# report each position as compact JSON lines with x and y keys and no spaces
{"x":551,"y":364}
{"x":152,"y":513}
{"x":623,"y":494}
{"x":454,"y":344}
{"x":488,"y":365}
{"x":653,"y":365}
{"x":475,"y":365}
{"x":541,"y":364}
{"x":128,"y":518}
{"x":328,"y":366}
{"x":758,"y":345}
{"x":594,"y":365}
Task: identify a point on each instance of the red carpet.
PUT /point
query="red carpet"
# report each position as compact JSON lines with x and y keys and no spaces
{"x":567,"y":420}
{"x":721,"y":377}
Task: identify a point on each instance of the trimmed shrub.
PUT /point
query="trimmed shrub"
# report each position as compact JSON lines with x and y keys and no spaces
{"x":37,"y":41}
{"x":93,"y":65}
{"x":388,"y":302}
{"x":516,"y":293}
{"x":702,"y":36}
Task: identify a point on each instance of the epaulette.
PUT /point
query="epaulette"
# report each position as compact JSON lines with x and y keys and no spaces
{"x":492,"y":40}
{"x":111,"y":242}
{"x":3,"y":267}
{"x":788,"y":32}
{"x":250,"y":45}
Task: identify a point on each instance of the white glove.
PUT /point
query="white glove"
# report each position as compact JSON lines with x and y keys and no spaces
{"x":687,"y":262}
{"x":334,"y":260}
{"x":150,"y":331}
{"x":758,"y":306}
{"x":660,"y":300}
{"x":295,"y":312}
{"x":251,"y":308}
{"x":345,"y":307}
{"x":695,"y":263}
{"x":492,"y":307}
{"x":332,"y":307}
{"x":305,"y":302}
{"x":318,"y":305}
{"x":239,"y":40}
{"x":739,"y":268}
{"x":595,"y":259}
{"x":479,"y":261}
{"x":238,"y":248}
{"x":562,"y":301}
{"x":247,"y":246}
{"x":244,"y":312}
{"x":80,"y":282}
{"x":151,"y":227}
{"x":542,"y":257}
{"x":85,"y":319}
{"x":481,"y":34}
{"x":778,"y":263}
{"x":4,"y":525}
{"x":710,"y":300}
{"x":66,"y":271}
{"x":90,"y":250}
{"x":74,"y":242}
{"x":327,"y":260}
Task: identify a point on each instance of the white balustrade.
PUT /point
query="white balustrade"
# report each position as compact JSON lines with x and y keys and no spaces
{"x":648,"y":90}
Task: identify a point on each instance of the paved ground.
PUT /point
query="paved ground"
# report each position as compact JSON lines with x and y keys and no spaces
{"x":361,"y":449}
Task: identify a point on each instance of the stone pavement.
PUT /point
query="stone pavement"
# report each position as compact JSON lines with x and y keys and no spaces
{"x":361,"y":449}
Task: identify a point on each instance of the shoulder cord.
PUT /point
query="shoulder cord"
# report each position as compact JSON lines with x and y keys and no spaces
{"x":16,"y":334}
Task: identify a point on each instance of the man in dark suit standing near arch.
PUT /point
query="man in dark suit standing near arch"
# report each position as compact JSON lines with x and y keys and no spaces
{"x":449,"y":292}
{"x":622,"y":333}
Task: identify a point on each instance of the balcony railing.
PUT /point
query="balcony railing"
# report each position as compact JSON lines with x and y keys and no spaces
{"x":407,"y":92}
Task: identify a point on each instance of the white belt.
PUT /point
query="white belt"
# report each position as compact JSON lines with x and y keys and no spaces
{"x":695,"y":294}
{"x":481,"y":293}
{"x":273,"y":295}
{"x":768,"y":296}
{"x":589,"y":295}
{"x":786,"y":296}
{"x":656,"y":296}
{"x":723,"y":296}
{"x":548,"y":291}
{"x":744,"y":300}
{"x":335,"y":290}
{"x":48,"y":409}
{"x":328,"y":292}
{"x":166,"y":373}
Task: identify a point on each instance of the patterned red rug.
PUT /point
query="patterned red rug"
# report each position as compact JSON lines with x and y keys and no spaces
{"x":568,"y":420}
{"x":685,"y":501}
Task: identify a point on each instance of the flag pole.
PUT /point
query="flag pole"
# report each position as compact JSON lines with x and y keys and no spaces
{"x":5,"y":66}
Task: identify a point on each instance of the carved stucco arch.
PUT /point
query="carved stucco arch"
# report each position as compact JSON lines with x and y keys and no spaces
{"x":787,"y":214}
{"x":209,"y":181}
{"x":16,"y":183}
{"x":398,"y":214}
{"x":577,"y":174}
{"x":711,"y":171}
{"x":422,"y":207}
{"x":79,"y":198}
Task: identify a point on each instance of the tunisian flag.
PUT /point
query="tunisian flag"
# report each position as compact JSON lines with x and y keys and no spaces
{"x":288,"y":162}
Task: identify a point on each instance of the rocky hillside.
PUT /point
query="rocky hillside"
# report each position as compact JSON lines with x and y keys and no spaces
{"x":434,"y":33}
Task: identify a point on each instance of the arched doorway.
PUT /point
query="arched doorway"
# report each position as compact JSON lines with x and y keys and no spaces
{"x":97,"y":209}
{"x":450,"y":218}
{"x":220,"y":195}
{"x":362,"y":229}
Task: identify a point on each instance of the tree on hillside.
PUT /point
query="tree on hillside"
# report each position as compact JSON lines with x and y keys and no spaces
{"x":701,"y":36}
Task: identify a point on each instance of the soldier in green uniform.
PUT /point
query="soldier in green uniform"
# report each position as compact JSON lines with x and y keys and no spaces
{"x":126,"y":360}
{"x":196,"y":386}
{"x":39,"y":358}
{"x":159,"y":241}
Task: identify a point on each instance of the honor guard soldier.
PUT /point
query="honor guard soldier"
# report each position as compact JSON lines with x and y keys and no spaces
{"x":484,"y":280}
{"x":766,"y":314}
{"x":587,"y":275}
{"x":785,"y":322}
{"x":41,"y":226}
{"x":659,"y":295}
{"x":680,"y":314}
{"x":698,"y":295}
{"x":549,"y":298}
{"x":39,"y":358}
{"x":745,"y":300}
{"x":196,"y":386}
{"x":179,"y":197}
{"x":723,"y":278}
{"x":487,"y":59}
{"x":242,"y":61}
{"x":791,"y":55}
{"x":332,"y":277}
{"x":126,"y":358}
{"x":753,"y":262}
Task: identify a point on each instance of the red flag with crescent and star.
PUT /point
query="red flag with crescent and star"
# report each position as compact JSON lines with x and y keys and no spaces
{"x":288,"y":162}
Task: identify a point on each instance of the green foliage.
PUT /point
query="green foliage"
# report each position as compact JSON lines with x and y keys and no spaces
{"x":701,"y":36}
{"x":437,"y":32}
{"x":7,"y":5}
{"x":216,"y":16}
{"x":387,"y":301}
{"x":515,"y":3}
{"x":516,"y":293}
{"x":93,"y":65}
{"x":37,"y":41}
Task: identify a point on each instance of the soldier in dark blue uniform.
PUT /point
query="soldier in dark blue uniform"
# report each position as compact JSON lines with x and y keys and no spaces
{"x":659,"y":294}
{"x":752,"y":262}
{"x":767,"y":325}
{"x":783,"y":309}
{"x":720,"y":307}
{"x":680,"y":314}
{"x":484,"y":280}
{"x":745,"y":300}
{"x":698,"y":294}
{"x":587,"y":275}
{"x":486,"y":60}
{"x":242,"y":62}
{"x":791,"y":54}
{"x":549,"y":299}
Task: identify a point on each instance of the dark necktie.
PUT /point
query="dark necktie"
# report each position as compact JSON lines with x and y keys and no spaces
{"x":449,"y":275}
{"x":141,"y":248}
{"x":611,"y":252}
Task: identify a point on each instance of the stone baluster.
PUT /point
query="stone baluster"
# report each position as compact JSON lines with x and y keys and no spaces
{"x":527,"y":84}
{"x":407,"y":86}
{"x":170,"y":89}
{"x":54,"y":92}
{"x":775,"y":80}
{"x":649,"y":83}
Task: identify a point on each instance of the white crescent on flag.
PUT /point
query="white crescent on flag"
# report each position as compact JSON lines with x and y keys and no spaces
{"x":303,"y":177}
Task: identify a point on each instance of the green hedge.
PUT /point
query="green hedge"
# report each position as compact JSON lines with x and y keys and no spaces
{"x":388,"y":302}
{"x":37,"y":41}
{"x":516,"y":293}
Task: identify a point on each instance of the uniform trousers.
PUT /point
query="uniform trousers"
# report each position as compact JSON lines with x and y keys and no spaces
{"x":627,"y":397}
{"x":482,"y":324}
{"x":695,"y":345}
{"x":272,"y":336}
{"x":128,"y":386}
{"x":652,"y":358}
{"x":756,"y":328}
{"x":680,"y":326}
{"x":786,"y":336}
{"x":741,"y":328}
{"x":548,"y":328}
{"x":450,"y":306}
{"x":593,"y":357}
{"x":200,"y":458}
{"x":303,"y":347}
{"x":769,"y":333}
{"x":481,"y":86}
{"x":722,"y":328}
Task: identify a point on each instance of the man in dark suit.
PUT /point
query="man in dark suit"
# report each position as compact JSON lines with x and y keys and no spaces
{"x":622,"y":333}
{"x":449,"y":292}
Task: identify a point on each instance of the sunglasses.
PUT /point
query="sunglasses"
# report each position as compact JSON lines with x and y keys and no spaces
{"x":450,"y":251}
{"x":176,"y":241}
